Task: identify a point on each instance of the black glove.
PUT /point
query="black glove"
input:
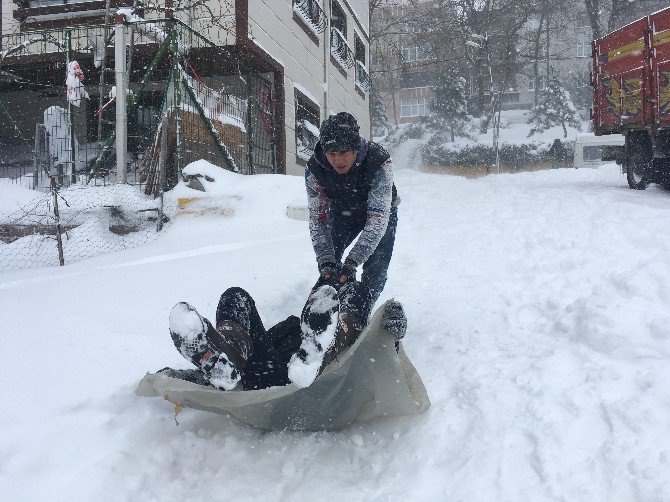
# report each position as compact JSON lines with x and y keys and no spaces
{"x":327,"y":270}
{"x":327,"y":275}
{"x":394,"y":320}
{"x":347,"y":272}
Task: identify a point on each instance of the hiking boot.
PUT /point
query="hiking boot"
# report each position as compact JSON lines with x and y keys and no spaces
{"x":355,"y":306}
{"x":237,"y":349}
{"x":318,"y":324}
{"x":349,"y":328}
{"x":220,"y":355}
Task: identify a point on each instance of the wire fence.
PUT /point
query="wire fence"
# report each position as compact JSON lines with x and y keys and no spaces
{"x":66,"y":225}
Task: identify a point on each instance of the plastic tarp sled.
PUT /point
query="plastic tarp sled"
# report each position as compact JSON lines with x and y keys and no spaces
{"x":368,"y":381}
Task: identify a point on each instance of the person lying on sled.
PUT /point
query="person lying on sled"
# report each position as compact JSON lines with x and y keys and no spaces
{"x":238,"y":348}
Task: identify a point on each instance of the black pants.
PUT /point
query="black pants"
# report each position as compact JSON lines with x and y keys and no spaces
{"x":272,"y":349}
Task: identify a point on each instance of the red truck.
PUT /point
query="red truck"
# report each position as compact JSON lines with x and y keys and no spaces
{"x":631,"y":81}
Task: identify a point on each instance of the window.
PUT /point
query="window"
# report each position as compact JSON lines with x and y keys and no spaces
{"x":414,"y":52}
{"x":339,"y":47}
{"x":583,"y":48}
{"x":418,"y":107}
{"x":362,"y":77}
{"x":359,"y":50}
{"x":410,"y":26}
{"x":306,"y":125}
{"x":311,"y":13}
{"x":338,"y":19}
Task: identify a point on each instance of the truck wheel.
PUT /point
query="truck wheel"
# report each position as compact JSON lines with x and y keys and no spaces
{"x":636,"y":169}
{"x":638,"y":166}
{"x":661,"y":172}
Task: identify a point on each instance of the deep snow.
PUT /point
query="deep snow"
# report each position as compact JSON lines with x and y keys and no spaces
{"x":538,"y":308}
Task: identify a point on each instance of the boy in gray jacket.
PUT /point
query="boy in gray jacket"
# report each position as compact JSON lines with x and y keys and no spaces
{"x":351,"y":197}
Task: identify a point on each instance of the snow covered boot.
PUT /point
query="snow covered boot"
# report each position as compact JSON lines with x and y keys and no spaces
{"x":318,"y":324}
{"x":355,"y":308}
{"x":219,"y":353}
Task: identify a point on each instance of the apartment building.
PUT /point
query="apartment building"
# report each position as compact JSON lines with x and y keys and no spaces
{"x":323,"y":50}
{"x":406,"y":68}
{"x":564,"y":52}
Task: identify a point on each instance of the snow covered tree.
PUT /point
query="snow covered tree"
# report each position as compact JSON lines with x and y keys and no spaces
{"x":608,"y":15}
{"x":379,"y":119}
{"x":556,"y":108}
{"x":451,"y":106}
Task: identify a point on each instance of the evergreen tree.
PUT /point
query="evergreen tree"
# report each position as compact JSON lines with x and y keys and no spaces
{"x":451,"y":106}
{"x":379,"y":119}
{"x":555,"y":108}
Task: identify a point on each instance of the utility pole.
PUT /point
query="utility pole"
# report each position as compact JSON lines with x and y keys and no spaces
{"x":481,"y":42}
{"x":121,"y":115}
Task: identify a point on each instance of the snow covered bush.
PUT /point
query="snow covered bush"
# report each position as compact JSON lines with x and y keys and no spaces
{"x":513,"y":156}
{"x":403,"y":133}
{"x":556,"y":108}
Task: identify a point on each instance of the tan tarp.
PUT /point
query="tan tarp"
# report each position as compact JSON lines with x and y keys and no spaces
{"x":368,"y":381}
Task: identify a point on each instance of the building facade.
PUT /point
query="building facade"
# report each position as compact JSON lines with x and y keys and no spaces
{"x":314,"y":52}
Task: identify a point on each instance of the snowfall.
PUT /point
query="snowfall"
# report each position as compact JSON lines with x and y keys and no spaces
{"x":539,"y":320}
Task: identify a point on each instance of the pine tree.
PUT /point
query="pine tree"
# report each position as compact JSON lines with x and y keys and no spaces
{"x":379,"y":119}
{"x":555,"y":108}
{"x":451,"y":106}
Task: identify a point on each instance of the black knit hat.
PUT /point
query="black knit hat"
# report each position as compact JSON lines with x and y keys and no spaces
{"x":340,"y":133}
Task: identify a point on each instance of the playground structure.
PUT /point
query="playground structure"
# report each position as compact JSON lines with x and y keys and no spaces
{"x":175,"y":97}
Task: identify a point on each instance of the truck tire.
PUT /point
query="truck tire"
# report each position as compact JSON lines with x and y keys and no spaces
{"x":638,"y":161}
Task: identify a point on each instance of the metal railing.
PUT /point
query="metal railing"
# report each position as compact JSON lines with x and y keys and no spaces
{"x":307,"y":136}
{"x":311,"y":13}
{"x":340,"y":49}
{"x":362,"y":77}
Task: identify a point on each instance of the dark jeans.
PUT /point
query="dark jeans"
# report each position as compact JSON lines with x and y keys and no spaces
{"x":375,"y":270}
{"x":272,"y":349}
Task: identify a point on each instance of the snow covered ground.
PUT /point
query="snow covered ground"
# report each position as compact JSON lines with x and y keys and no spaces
{"x":539,"y":319}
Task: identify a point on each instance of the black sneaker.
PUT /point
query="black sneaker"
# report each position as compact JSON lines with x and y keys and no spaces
{"x":219,"y":357}
{"x":318,"y":324}
{"x":193,"y":375}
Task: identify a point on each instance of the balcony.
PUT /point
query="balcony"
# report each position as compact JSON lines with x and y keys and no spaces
{"x":362,"y":77}
{"x":311,"y":13}
{"x":340,"y":50}
{"x":36,"y":12}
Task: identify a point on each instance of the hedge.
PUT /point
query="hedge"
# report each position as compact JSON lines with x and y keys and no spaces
{"x":515,"y":156}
